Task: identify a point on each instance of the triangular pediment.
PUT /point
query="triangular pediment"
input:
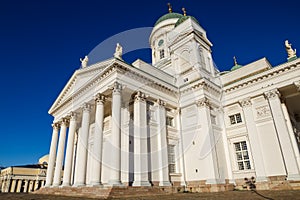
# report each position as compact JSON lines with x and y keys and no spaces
{"x":79,"y":78}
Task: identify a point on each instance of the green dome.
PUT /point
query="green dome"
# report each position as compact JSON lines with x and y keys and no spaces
{"x":235,"y":67}
{"x":183,"y":18}
{"x":168,"y":16}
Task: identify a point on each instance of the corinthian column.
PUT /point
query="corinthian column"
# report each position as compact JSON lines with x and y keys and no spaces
{"x":69,"y":152}
{"x":115,"y":177}
{"x":283,"y":135}
{"x":52,"y":155}
{"x":140,"y":141}
{"x":98,"y":138}
{"x":254,"y":140}
{"x":162,"y":145}
{"x":60,"y":152}
{"x":81,"y":160}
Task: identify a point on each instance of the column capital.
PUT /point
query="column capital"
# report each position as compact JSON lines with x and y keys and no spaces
{"x":56,"y":125}
{"x":160,"y":102}
{"x":245,"y":102}
{"x":73,"y":116}
{"x":297,"y":84}
{"x":86,"y":107}
{"x":100,"y":98}
{"x":117,"y":87}
{"x":272,"y":94}
{"x":65,"y":121}
{"x":204,"y":102}
{"x":139,"y":96}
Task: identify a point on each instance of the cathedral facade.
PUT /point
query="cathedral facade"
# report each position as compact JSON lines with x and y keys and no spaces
{"x":178,"y":122}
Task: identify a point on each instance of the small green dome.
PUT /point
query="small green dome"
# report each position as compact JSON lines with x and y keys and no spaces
{"x":168,"y":16}
{"x":235,"y":67}
{"x":183,"y":18}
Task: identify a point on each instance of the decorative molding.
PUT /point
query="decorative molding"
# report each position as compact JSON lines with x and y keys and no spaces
{"x":86,"y":107}
{"x":262,"y":111}
{"x":117,"y":87}
{"x":272,"y":94}
{"x":65,"y":121}
{"x":204,"y":102}
{"x":56,"y":125}
{"x":254,"y":78}
{"x":73,"y":116}
{"x":100,"y":98}
{"x":297,"y":84}
{"x":139,"y":97}
{"x":245,"y":102}
{"x":161,"y":102}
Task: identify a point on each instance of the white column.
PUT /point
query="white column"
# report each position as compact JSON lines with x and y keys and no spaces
{"x":208,"y":136}
{"x":52,"y":155}
{"x":13,"y":185}
{"x":115,"y":177}
{"x":283,"y":135}
{"x":162,"y":145}
{"x":70,"y":150}
{"x":19,"y":185}
{"x":291,"y":132}
{"x":181,"y":149}
{"x":98,"y":138}
{"x":60,"y":152}
{"x":140,"y":141}
{"x":82,"y":147}
{"x":254,"y":140}
{"x":25,"y":186}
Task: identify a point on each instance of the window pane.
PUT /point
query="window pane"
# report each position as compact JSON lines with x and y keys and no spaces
{"x":232,"y":119}
{"x":239,"y":156}
{"x":247,"y":164}
{"x":245,"y":155}
{"x":241,"y":165}
{"x":237,"y":146}
{"x":238,"y":118}
{"x":244,"y":145}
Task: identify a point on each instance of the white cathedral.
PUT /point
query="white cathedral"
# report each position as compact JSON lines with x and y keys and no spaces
{"x":178,"y":122}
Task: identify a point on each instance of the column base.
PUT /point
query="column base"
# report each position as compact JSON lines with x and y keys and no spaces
{"x":66,"y":185}
{"x":164,"y":183}
{"x":293,"y":177}
{"x":79,"y":185}
{"x":115,"y":183}
{"x":141,"y":183}
{"x":96,"y":184}
{"x":47,"y":186}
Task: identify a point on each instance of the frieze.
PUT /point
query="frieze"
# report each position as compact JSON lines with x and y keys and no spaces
{"x":262,"y":111}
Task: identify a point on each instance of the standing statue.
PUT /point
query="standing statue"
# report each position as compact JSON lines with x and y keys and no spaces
{"x":119,"y":51}
{"x":291,"y":52}
{"x":84,"y":61}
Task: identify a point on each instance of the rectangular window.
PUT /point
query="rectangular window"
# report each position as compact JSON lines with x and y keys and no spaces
{"x":236,"y":118}
{"x":171,"y":158}
{"x":242,"y":156}
{"x":170,"y":121}
{"x":161,"y":54}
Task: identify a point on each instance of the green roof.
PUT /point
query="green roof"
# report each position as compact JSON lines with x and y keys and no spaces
{"x":183,"y":18}
{"x":168,"y":16}
{"x":235,"y":67}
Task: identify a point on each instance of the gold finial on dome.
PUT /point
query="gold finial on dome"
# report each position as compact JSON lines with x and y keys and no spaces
{"x":184,"y":11}
{"x":234,"y":60}
{"x":170,"y":8}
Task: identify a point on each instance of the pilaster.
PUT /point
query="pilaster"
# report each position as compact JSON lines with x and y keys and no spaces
{"x":254,"y":140}
{"x":289,"y":158}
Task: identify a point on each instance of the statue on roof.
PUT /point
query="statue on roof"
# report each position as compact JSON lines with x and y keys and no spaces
{"x":291,"y":52}
{"x":84,"y":62}
{"x":118,"y":52}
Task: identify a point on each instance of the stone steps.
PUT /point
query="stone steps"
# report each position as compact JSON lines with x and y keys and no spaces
{"x":105,"y":192}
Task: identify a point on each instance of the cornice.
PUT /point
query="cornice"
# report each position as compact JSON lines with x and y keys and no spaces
{"x":118,"y":67}
{"x":252,"y":79}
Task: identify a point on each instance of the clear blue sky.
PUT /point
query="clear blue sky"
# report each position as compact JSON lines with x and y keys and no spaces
{"x":41,"y":43}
